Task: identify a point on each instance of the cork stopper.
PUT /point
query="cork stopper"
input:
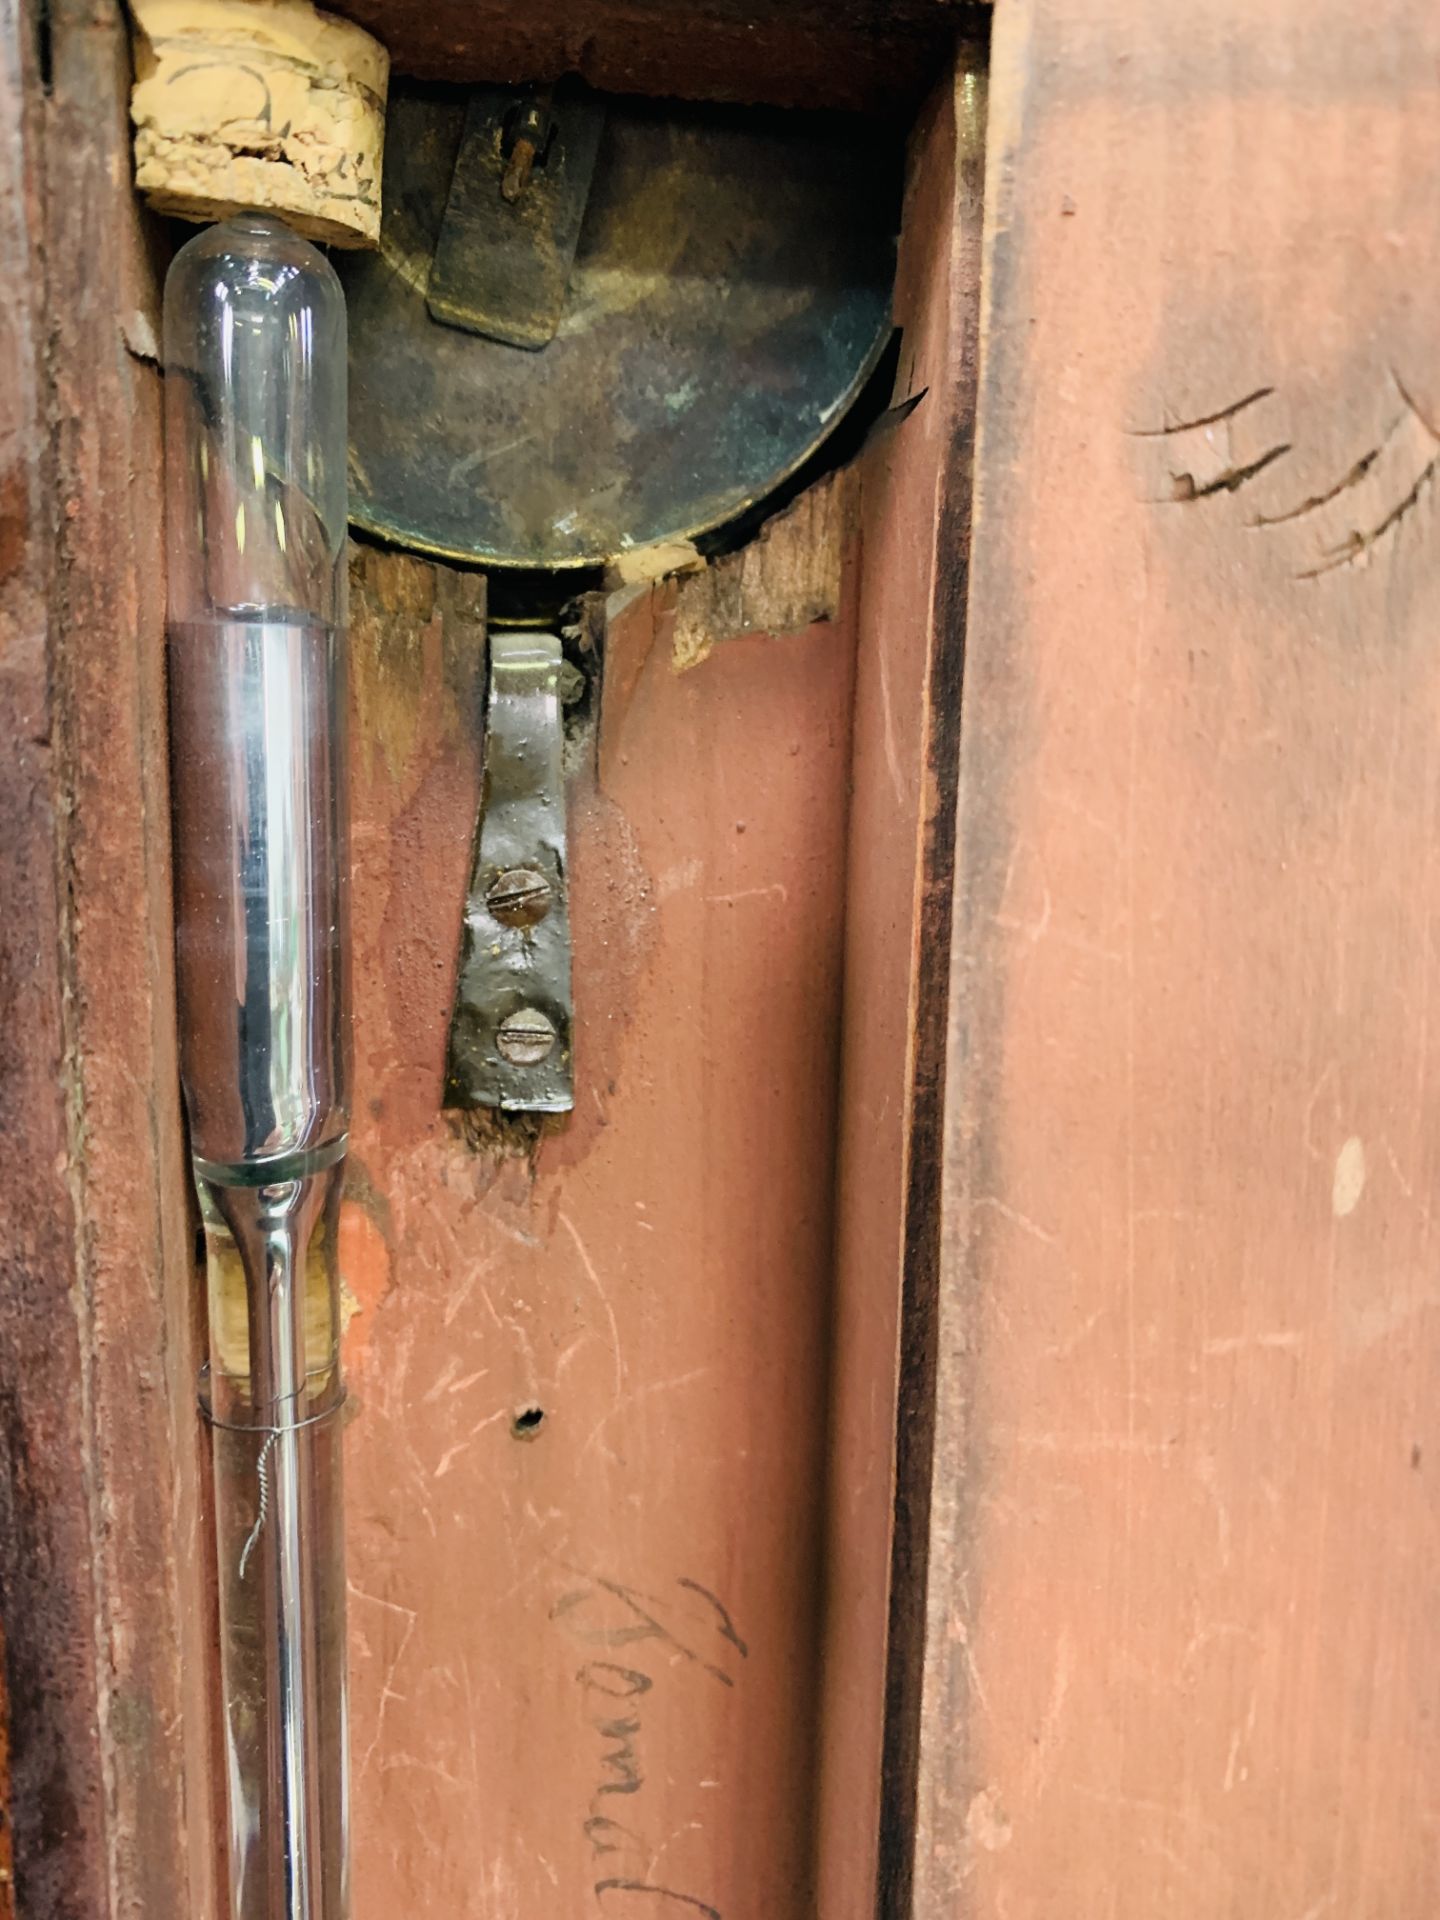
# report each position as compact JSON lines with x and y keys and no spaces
{"x":250,"y":104}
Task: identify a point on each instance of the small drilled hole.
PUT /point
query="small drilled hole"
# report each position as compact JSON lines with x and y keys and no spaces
{"x":527,"y":1422}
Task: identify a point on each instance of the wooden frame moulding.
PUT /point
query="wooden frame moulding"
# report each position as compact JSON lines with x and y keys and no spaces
{"x":99,"y":1577}
{"x":872,"y":56}
{"x":1182,"y":1654}
{"x":916,"y":490}
{"x":103,"y":1562}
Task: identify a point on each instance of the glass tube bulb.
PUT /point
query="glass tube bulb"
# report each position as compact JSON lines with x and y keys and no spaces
{"x":255,"y":514}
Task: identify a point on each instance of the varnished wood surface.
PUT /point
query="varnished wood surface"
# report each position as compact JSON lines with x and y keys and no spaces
{"x":1183,"y":1649}
{"x":585,"y":1471}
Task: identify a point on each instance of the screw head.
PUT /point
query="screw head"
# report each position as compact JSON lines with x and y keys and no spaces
{"x":519,"y":897}
{"x":525,"y":1037}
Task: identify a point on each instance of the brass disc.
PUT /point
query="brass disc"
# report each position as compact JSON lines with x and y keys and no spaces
{"x":729,"y":296}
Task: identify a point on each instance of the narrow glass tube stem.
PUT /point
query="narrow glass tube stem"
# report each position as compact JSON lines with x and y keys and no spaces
{"x":276,"y":1403}
{"x":294,"y":1771}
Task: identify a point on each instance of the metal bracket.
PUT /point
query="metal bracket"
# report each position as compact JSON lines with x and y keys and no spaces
{"x":510,"y":1037}
{"x":512,"y":222}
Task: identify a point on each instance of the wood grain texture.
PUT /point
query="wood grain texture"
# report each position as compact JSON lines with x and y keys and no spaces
{"x":7,"y":1832}
{"x":584,"y":1474}
{"x":44,"y":1531}
{"x":97,"y":1494}
{"x":1183,"y":1655}
{"x":869,"y":55}
{"x":915,"y":495}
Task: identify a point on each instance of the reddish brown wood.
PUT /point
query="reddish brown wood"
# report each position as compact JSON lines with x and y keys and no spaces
{"x":95,"y":1371}
{"x":584,"y":1650}
{"x":7,"y":1834}
{"x":872,"y":55}
{"x":44,"y":1531}
{"x":1184,"y":1657}
{"x":916,"y":494}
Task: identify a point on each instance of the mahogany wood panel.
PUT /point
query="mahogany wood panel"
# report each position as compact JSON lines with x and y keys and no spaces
{"x":586,"y":1467}
{"x":916,"y":489}
{"x":872,"y":55}
{"x":98,"y":1437}
{"x":1184,"y":1654}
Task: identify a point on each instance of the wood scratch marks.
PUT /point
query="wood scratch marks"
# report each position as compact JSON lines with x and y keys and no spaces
{"x":892,"y":744}
{"x":1208,"y":1476}
{"x":1205,"y":420}
{"x":446,"y":1383}
{"x":972,"y":1669}
{"x":647,"y":1392}
{"x":1326,"y":1083}
{"x":1236,"y":1772}
{"x":1349,"y":1179}
{"x":452,"y":1453}
{"x":1082,"y":1444}
{"x":1017,"y":1219}
{"x":387,"y":1689}
{"x":1214,"y":453}
{"x":776,"y":890}
{"x":1278,"y":1340}
{"x":1185,"y":487}
{"x":1041,"y":1762}
{"x":1217,"y":1631}
{"x":1317,"y":500}
{"x":617,"y":1356}
{"x":1320,"y":1908}
{"x":1345,"y":520}
{"x":1185,"y":1813}
{"x":1378,"y":490}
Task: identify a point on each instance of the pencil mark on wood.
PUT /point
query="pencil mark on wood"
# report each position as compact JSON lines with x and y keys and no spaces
{"x":637,"y":1624}
{"x":661,"y":1895}
{"x":598,"y":1830}
{"x":727,"y":1625}
{"x":614,"y":1695}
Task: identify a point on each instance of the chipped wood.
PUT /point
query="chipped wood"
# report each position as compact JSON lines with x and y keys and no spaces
{"x":787,"y":578}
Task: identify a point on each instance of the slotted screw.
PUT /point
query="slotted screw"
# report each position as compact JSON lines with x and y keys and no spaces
{"x":525,"y":1037}
{"x":519,"y":897}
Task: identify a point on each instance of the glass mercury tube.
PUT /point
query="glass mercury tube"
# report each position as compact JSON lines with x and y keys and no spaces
{"x":255,"y":505}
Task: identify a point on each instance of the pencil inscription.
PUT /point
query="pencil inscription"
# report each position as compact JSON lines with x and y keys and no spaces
{"x":635,"y":1641}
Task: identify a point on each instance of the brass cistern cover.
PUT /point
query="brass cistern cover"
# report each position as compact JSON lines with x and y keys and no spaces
{"x":728,"y":297}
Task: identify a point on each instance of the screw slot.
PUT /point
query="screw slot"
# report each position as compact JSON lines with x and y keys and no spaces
{"x":519,"y":897}
{"x":525,"y":1037}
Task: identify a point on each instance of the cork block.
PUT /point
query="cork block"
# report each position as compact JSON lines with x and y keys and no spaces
{"x":249,"y":104}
